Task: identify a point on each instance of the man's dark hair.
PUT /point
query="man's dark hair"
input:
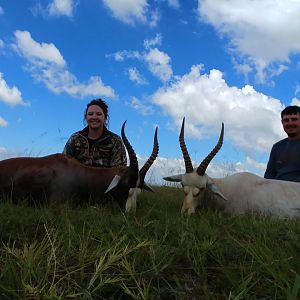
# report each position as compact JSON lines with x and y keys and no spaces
{"x":291,"y":110}
{"x":102,"y":104}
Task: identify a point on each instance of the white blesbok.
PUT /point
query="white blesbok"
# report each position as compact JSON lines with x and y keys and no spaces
{"x":55,"y":178}
{"x":238,"y":193}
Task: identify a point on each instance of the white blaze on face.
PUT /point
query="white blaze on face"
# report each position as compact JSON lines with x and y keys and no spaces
{"x":132,"y":198}
{"x":193,"y":187}
{"x":190,"y":200}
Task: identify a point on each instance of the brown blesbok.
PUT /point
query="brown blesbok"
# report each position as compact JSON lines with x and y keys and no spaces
{"x":55,"y":178}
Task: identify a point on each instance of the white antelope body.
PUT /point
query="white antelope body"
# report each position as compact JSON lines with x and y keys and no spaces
{"x":238,"y":193}
{"x":56,"y":177}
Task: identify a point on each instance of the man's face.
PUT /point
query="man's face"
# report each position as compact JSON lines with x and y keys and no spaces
{"x":291,"y":125}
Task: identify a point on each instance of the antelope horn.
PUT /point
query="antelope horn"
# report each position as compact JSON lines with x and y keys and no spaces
{"x":150,"y":160}
{"x":133,"y":162}
{"x":186,"y":156}
{"x":202,"y":167}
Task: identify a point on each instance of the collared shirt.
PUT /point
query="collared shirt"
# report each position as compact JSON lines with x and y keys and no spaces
{"x":106,"y":151}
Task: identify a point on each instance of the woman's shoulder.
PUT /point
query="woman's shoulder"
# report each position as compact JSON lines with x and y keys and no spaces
{"x":78,"y":135}
{"x":112,"y":135}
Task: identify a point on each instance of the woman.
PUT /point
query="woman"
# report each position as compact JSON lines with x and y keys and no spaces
{"x":95,"y":145}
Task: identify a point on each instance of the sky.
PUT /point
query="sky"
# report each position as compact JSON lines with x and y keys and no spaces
{"x":153,"y":62}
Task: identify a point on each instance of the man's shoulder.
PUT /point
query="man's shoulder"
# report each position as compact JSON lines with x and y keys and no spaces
{"x":287,"y":144}
{"x":281,"y":143}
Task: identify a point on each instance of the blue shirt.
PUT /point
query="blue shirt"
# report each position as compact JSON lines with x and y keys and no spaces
{"x":284,"y":161}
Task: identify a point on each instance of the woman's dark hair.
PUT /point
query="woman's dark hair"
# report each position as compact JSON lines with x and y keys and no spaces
{"x":291,"y":110}
{"x":102,"y":104}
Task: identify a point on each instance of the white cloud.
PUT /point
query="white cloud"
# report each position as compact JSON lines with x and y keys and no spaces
{"x":244,"y":69}
{"x":154,"y":18}
{"x":142,"y":108}
{"x":122,"y":55}
{"x":297,"y":90}
{"x":159,"y":64}
{"x":156,"y":41}
{"x":163,"y":167}
{"x":58,"y":81}
{"x":10,"y":95}
{"x":295,"y":101}
{"x":3,"y":123}
{"x":47,"y":65}
{"x":37,"y":52}
{"x":174,"y":3}
{"x":1,"y":11}
{"x":1,"y":44}
{"x":263,"y":33}
{"x":135,"y":76}
{"x":252,"y":119}
{"x":2,"y":153}
{"x":61,"y":7}
{"x":128,"y":11}
{"x":5,"y":153}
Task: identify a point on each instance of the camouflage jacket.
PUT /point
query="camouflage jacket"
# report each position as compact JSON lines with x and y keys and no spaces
{"x":107,"y":151}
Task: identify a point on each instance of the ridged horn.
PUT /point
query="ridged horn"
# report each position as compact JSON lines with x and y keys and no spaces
{"x":133,"y":162}
{"x":150,"y":160}
{"x":186,"y":156}
{"x":204,"y":164}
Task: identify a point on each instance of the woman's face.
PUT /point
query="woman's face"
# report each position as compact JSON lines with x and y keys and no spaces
{"x":95,"y":117}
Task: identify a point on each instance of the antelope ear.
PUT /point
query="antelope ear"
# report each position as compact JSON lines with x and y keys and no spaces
{"x":174,"y":178}
{"x":216,"y":190}
{"x":147,"y":188}
{"x":113,"y":183}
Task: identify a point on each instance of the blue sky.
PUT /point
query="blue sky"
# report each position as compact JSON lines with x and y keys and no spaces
{"x":154,"y":62}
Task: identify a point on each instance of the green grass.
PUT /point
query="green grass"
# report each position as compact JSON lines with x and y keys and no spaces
{"x":101,"y":253}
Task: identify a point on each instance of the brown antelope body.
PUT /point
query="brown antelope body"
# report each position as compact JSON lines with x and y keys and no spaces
{"x":56,"y":177}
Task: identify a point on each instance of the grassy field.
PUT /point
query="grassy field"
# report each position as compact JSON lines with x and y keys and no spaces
{"x":100,"y":253}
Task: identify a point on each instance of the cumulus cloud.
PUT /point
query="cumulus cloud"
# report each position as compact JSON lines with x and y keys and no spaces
{"x":141,"y":107}
{"x":295,"y":101}
{"x":10,"y":95}
{"x":55,"y":8}
{"x":159,"y":64}
{"x":61,"y":7}
{"x":37,"y":52}
{"x":3,"y":123}
{"x":128,"y":11}
{"x":263,"y":33}
{"x":135,"y":76}
{"x":163,"y":167}
{"x":47,"y":65}
{"x":252,"y":119}
{"x":156,"y":41}
{"x":157,"y":61}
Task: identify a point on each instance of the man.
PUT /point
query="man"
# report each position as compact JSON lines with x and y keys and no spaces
{"x":284,"y":161}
